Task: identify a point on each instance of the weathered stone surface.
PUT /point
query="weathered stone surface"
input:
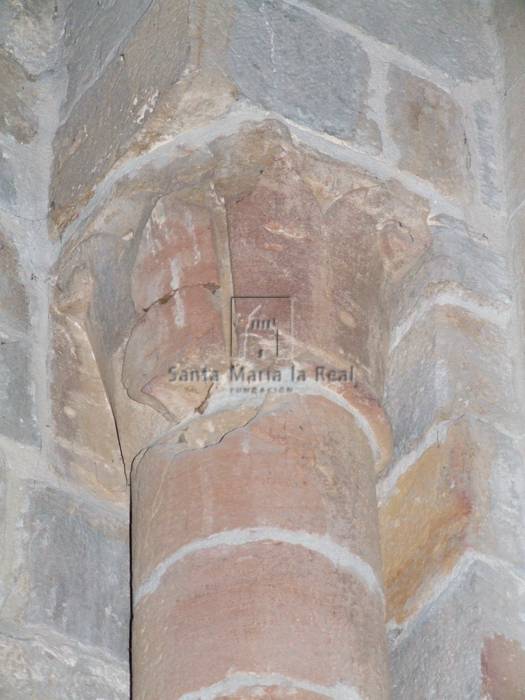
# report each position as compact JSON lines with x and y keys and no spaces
{"x":454,"y":37}
{"x":7,"y":182}
{"x":14,"y":310}
{"x":515,"y":140}
{"x":177,"y":250}
{"x":454,"y":363}
{"x":93,"y":32}
{"x":102,"y":122}
{"x":274,"y":199}
{"x":17,"y":407}
{"x":290,"y":235}
{"x":456,"y":265}
{"x":16,"y":97}
{"x":450,"y":634}
{"x":244,"y":608}
{"x":38,"y":664}
{"x":503,"y":665}
{"x":491,"y":180}
{"x":498,"y":485}
{"x":29,"y":30}
{"x":4,"y":529}
{"x":88,"y":451}
{"x":76,"y":580}
{"x":286,"y":60}
{"x":424,"y":522}
{"x":510,"y":18}
{"x":462,"y":492}
{"x":194,"y":101}
{"x":426,"y":125}
{"x":278,"y":470}
{"x":184,"y":333}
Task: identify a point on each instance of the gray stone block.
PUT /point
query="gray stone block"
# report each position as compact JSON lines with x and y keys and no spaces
{"x":455,"y":262}
{"x":16,"y":97}
{"x":449,"y":363}
{"x":17,"y":410}
{"x":7,"y":183}
{"x":14,"y":310}
{"x":490,"y":180}
{"x":115,"y":106}
{"x":450,"y":35}
{"x":510,"y":19}
{"x":93,"y":31}
{"x":30,"y":31}
{"x":515,"y":142}
{"x":449,"y":634}
{"x":77,"y":556}
{"x":35,"y":664}
{"x":285,"y":60}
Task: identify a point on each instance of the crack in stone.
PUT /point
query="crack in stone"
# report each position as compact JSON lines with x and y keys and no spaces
{"x":209,"y":286}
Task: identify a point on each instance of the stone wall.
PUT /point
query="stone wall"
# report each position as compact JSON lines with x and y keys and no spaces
{"x":64,"y":591}
{"x":156,"y":160}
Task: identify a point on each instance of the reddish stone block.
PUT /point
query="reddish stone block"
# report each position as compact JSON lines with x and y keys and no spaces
{"x":302,"y":464}
{"x":184,"y":331}
{"x":176,"y":250}
{"x":503,"y":667}
{"x":331,"y":248}
{"x":260,"y":608}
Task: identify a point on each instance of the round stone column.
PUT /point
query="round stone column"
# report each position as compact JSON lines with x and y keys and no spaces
{"x":256,"y":566}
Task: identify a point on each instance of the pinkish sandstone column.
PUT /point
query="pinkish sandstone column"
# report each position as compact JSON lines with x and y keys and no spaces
{"x":256,"y":566}
{"x":256,"y":563}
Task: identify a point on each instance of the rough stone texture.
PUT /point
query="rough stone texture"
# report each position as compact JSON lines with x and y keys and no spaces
{"x":36,"y":664}
{"x":503,"y":669}
{"x":498,"y":480}
{"x":461,"y":493}
{"x":28,"y":31}
{"x":257,"y":176}
{"x":244,"y":608}
{"x":77,"y":558}
{"x":491,"y":185}
{"x":515,"y":134}
{"x":164,"y":339}
{"x":14,"y":311}
{"x":455,"y":38}
{"x":17,"y":408}
{"x":286,"y":60}
{"x":87,"y":449}
{"x":92,"y":35}
{"x":170,"y":201}
{"x":16,"y":96}
{"x":510,"y":16}
{"x":426,"y":125}
{"x":273,"y":204}
{"x":458,"y":362}
{"x":103,"y":121}
{"x":7,"y":182}
{"x":458,"y":265}
{"x":176,"y":251}
{"x":480,"y":603}
{"x":296,"y":218}
{"x":424,"y":522}
{"x":263,"y":474}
